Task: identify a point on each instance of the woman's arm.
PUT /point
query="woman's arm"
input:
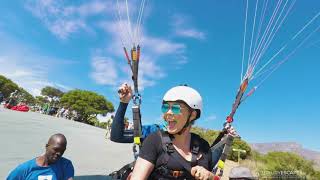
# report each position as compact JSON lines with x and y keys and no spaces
{"x":142,"y":169}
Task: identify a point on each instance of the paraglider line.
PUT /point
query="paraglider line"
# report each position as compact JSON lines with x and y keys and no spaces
{"x":306,"y":25}
{"x":244,"y":40}
{"x":270,"y":38}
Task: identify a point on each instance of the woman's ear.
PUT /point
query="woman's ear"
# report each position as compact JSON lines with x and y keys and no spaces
{"x":193,"y":115}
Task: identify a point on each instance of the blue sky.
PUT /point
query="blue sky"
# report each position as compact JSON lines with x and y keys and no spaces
{"x":76,"y":44}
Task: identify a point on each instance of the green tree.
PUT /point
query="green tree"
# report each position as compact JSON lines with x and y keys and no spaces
{"x":40,"y":100}
{"x":25,"y":96}
{"x":239,"y":144}
{"x":103,"y":125}
{"x":87,"y":104}
{"x":7,"y":86}
{"x":210,"y":135}
{"x":286,"y":166}
{"x":51,"y":92}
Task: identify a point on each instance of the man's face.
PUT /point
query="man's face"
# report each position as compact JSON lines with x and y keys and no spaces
{"x":54,"y":151}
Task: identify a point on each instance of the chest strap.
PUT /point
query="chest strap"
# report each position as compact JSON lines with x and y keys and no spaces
{"x":171,"y":152}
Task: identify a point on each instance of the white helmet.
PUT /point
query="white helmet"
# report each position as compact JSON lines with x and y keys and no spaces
{"x":186,"y":94}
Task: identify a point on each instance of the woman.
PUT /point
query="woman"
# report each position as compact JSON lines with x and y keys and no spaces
{"x":181,"y":106}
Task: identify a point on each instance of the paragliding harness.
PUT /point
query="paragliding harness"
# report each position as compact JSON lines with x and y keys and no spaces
{"x":124,"y":172}
{"x":227,"y":139}
{"x":168,"y":151}
{"x":136,"y":115}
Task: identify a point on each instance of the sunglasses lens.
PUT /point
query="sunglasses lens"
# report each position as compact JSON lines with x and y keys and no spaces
{"x":176,"y":109}
{"x":165,"y":108}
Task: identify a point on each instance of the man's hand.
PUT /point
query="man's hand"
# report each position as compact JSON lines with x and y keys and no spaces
{"x":125,"y":93}
{"x":200,"y":173}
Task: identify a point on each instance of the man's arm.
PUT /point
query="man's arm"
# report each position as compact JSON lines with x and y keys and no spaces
{"x":18,"y":173}
{"x":68,"y":171}
{"x":117,"y":127}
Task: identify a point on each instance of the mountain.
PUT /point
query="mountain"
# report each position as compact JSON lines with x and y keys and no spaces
{"x":293,"y":147}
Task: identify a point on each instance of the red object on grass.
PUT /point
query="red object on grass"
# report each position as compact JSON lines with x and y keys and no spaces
{"x":22,"y":108}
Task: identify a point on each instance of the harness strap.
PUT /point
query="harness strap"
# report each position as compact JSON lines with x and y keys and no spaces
{"x":136,"y":124}
{"x":227,"y":140}
{"x":171,"y":173}
{"x":171,"y":152}
{"x":194,"y":150}
{"x":123,"y":173}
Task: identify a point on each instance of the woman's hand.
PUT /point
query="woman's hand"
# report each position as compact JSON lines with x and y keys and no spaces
{"x":232,"y":131}
{"x":125,"y":93}
{"x":201,"y":173}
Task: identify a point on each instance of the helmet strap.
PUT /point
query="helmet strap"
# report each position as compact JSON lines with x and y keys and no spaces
{"x":185,"y":125}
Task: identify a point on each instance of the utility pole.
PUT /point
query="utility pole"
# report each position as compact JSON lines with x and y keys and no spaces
{"x":239,"y":151}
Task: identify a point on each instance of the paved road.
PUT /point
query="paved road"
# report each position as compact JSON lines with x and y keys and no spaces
{"x":24,"y":135}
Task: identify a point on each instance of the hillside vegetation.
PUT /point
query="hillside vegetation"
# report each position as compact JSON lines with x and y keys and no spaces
{"x":273,"y":165}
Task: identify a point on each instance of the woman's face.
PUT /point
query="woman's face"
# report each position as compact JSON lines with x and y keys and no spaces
{"x":176,"y":114}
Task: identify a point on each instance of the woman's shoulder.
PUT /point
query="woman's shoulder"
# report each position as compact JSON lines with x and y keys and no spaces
{"x":153,"y":138}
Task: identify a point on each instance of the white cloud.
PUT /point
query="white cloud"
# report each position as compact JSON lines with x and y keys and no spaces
{"x":182,"y":60}
{"x":152,"y":49}
{"x":63,"y":20}
{"x":62,"y":28}
{"x":153,"y":46}
{"x":192,"y":33}
{"x":26,"y":67}
{"x":161,"y":46}
{"x":90,"y":8}
{"x":104,"y":70}
{"x":182,"y":28}
{"x":26,"y":76}
{"x":63,"y":87}
{"x":211,"y":117}
{"x":149,"y":67}
{"x":149,"y":72}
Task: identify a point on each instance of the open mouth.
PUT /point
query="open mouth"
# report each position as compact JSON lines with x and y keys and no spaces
{"x":55,"y":158}
{"x":171,"y":124}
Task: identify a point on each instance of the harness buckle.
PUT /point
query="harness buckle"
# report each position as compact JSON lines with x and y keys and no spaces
{"x":169,"y":148}
{"x":176,"y":174}
{"x":136,"y":99}
{"x":195,"y":150}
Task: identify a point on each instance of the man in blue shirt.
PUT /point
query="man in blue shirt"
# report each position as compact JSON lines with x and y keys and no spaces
{"x":49,"y":166}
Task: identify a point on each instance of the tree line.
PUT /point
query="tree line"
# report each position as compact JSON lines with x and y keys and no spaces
{"x":86,"y":104}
